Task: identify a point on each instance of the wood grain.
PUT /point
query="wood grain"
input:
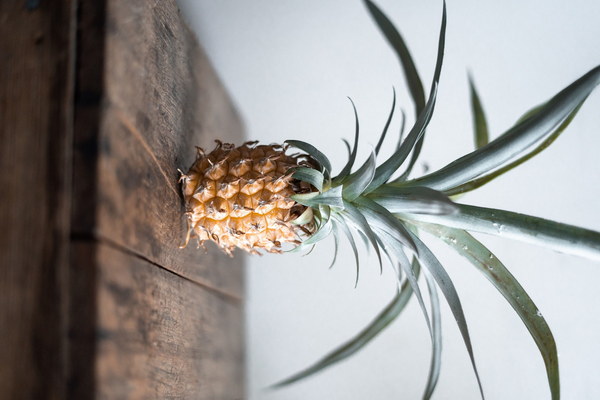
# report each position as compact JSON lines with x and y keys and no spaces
{"x":159,"y":336}
{"x":100,"y":103}
{"x":36,"y":46}
{"x":162,"y":322}
{"x":171,"y":102}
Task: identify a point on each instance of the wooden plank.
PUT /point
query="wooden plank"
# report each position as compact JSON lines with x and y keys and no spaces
{"x":160,"y":98}
{"x":148,"y":320}
{"x":36,"y":75}
{"x":159,"y":336}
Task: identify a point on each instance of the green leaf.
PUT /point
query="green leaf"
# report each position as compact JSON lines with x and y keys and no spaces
{"x":436,"y":326}
{"x":336,"y":242}
{"x":516,"y":140}
{"x":356,"y":183}
{"x":348,"y":167}
{"x":475,"y":183}
{"x":394,"y":247}
{"x":489,"y":265}
{"x":360,"y":340}
{"x":306,"y":217}
{"x":309,"y":175}
{"x":343,"y":225}
{"x":391,"y":165}
{"x":417,"y":199}
{"x":397,"y":43}
{"x":479,"y":120}
{"x":429,"y":261}
{"x":331,"y":197}
{"x":555,"y":235}
{"x":319,"y":235}
{"x":314,"y":153}
{"x":353,"y":214}
{"x":402,"y":126}
{"x":438,"y":69}
{"x":379,"y":217}
{"x":387,"y":124}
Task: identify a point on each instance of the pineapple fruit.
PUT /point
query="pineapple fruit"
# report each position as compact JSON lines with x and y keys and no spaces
{"x":241,"y":197}
{"x":260,"y":197}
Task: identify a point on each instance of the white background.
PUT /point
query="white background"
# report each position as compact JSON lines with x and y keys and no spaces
{"x":289,"y":66}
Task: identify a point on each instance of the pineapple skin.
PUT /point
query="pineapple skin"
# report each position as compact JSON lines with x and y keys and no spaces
{"x":241,"y":197}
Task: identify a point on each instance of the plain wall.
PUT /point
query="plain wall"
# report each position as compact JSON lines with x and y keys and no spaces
{"x":289,"y":66}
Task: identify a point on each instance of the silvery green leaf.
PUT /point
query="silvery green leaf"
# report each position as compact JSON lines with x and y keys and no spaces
{"x":348,"y":167}
{"x":397,"y":42}
{"x":436,"y":326}
{"x":331,"y":197}
{"x":491,"y":267}
{"x":323,"y":231}
{"x":359,"y":220}
{"x":431,"y":263}
{"x":478,"y":182}
{"x":343,"y":225}
{"x":516,"y":140}
{"x":360,"y":340}
{"x":479,"y":120}
{"x":438,"y":68}
{"x":387,"y":124}
{"x":357,"y":182}
{"x":394,"y":247}
{"x":555,"y":235}
{"x":418,"y":199}
{"x":379,"y":217}
{"x":324,"y":212}
{"x":306,"y":217}
{"x":401,"y":130}
{"x":309,"y":175}
{"x":391,"y":165}
{"x":336,"y":242}
{"x":314,"y":153}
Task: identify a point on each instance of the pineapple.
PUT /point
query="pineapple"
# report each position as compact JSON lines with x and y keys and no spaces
{"x":241,"y":197}
{"x":260,"y":197}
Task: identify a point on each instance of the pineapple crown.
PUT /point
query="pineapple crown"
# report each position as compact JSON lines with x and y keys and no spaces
{"x":389,"y":210}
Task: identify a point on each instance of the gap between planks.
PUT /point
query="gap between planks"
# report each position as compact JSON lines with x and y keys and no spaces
{"x":230,"y":297}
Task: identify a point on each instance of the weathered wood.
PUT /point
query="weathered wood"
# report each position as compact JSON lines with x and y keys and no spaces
{"x":96,"y":299}
{"x":36,"y":47}
{"x":164,"y":322}
{"x":160,"y":336}
{"x":161,"y":99}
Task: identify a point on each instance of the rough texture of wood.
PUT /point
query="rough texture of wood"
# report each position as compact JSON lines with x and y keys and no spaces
{"x":161,"y":100}
{"x":36,"y":40}
{"x":100,"y":103}
{"x":159,"y":336}
{"x":164,"y":322}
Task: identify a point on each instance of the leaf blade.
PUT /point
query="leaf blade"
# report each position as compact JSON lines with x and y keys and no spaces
{"x":491,"y":267}
{"x":478,"y":182}
{"x":479,"y":121}
{"x":396,"y":41}
{"x":526,"y":228}
{"x":313,"y":152}
{"x":418,"y":199}
{"x":516,"y":140}
{"x":360,"y":340}
{"x":348,"y":167}
{"x":444,"y":282}
{"x":359,"y":180}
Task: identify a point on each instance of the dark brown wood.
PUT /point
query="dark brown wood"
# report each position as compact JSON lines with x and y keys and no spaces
{"x":137,"y":120}
{"x":159,"y":336}
{"x":161,"y":99}
{"x":36,"y":74}
{"x":96,"y":298}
